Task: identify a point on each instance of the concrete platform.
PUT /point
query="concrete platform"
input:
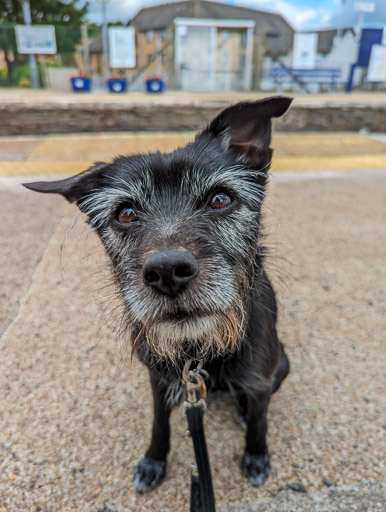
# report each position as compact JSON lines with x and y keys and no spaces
{"x":76,"y":414}
{"x":69,"y":154}
{"x":171,"y":97}
{"x":28,"y":112}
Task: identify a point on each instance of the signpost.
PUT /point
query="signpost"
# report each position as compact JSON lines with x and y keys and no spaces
{"x":105,"y":44}
{"x":32,"y":59}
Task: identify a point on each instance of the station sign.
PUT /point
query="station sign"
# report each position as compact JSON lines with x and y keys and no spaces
{"x":364,"y":6}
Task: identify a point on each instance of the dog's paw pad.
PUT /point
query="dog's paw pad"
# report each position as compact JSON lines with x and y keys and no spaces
{"x":148,"y":474}
{"x":255,"y":468}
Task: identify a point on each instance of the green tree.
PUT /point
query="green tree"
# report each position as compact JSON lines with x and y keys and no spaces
{"x":66,"y":15}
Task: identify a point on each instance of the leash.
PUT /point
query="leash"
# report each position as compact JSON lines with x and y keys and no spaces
{"x":201,"y":495}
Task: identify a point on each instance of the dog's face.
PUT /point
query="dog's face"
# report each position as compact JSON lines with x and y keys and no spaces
{"x":182,"y":229}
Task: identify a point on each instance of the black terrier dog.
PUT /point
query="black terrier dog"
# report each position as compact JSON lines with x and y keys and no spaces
{"x":183,"y":233}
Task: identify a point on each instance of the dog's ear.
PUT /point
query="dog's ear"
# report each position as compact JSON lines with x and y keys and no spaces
{"x":245,"y":129}
{"x":73,"y":188}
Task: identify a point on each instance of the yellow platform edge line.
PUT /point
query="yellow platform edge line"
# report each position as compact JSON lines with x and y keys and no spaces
{"x":35,"y":168}
{"x":336,"y":163}
{"x":295,"y":163}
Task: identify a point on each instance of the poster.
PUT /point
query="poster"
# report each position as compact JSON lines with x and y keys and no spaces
{"x":377,"y":65}
{"x":304,"y":52}
{"x":35,"y":39}
{"x":122,"y":47}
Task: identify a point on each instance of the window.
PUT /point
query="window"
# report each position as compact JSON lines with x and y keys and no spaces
{"x":149,"y":35}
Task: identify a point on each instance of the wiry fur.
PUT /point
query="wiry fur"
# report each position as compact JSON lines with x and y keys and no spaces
{"x":216,"y":300}
{"x":203,"y":338}
{"x":226,"y":315}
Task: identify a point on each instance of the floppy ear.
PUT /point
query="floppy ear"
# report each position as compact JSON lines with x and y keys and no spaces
{"x":73,"y":188}
{"x":245,"y":129}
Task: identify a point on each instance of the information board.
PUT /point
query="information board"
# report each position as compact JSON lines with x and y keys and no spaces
{"x":377,"y":65}
{"x":122,"y":47}
{"x":36,"y":39}
{"x":304,"y":52}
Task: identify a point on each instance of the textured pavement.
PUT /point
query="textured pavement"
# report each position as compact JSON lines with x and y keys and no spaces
{"x":76,"y":414}
{"x":69,"y":154}
{"x":27,"y":223}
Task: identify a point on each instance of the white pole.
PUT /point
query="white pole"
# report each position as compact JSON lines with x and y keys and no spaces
{"x":32,"y":59}
{"x":248,"y":60}
{"x":213,"y":59}
{"x":105,"y":44}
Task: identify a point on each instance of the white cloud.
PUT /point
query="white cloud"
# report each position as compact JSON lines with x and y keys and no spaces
{"x":123,"y":10}
{"x":301,"y":17}
{"x":116,"y":10}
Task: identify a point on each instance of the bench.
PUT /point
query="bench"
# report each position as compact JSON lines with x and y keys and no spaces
{"x":321,"y":76}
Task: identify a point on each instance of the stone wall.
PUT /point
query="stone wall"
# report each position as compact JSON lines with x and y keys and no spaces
{"x":27,"y":119}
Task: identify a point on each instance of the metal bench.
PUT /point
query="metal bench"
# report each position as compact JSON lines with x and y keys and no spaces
{"x":321,"y":76}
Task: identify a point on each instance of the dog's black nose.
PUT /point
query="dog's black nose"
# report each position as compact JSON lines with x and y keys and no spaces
{"x":170,"y":271}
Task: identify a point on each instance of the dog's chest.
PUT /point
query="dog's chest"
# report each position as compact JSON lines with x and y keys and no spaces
{"x":219,"y":378}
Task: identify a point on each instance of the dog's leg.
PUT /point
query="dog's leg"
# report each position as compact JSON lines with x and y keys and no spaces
{"x":255,"y":462}
{"x":282,"y":370}
{"x":151,"y":469}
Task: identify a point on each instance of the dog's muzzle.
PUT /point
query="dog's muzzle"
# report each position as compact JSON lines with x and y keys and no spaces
{"x":169,"y":272}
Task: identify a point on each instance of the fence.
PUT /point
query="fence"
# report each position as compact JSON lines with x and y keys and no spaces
{"x":71,"y":52}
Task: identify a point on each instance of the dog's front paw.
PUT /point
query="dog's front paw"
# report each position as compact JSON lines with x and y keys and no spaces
{"x":148,"y":474}
{"x":256,"y":468}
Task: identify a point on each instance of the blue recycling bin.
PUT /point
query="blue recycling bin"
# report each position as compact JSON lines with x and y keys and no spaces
{"x":117,"y":84}
{"x":81,"y":83}
{"x":155,"y":84}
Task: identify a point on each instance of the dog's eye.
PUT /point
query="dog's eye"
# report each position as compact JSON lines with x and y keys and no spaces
{"x":127,"y":215}
{"x":219,"y":200}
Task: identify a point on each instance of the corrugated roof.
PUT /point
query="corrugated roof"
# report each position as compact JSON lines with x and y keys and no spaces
{"x":279,"y":32}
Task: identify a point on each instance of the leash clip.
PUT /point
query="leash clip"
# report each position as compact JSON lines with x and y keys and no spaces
{"x":194,"y":381}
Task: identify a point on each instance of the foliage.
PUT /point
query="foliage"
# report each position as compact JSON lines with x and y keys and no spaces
{"x":44,"y":11}
{"x":22,"y":75}
{"x":66,"y":15}
{"x":67,"y":36}
{"x":7,"y":36}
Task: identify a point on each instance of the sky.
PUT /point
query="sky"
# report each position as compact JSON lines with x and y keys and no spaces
{"x":301,"y":14}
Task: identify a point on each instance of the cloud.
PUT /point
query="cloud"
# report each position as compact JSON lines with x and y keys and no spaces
{"x":301,"y":14}
{"x":120,"y":10}
{"x":298,"y":15}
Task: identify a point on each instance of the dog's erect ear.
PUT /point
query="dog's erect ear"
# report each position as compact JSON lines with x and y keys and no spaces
{"x":245,"y":129}
{"x":73,"y":188}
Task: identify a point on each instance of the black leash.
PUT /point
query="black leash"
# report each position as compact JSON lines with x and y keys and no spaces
{"x":202,"y":495}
